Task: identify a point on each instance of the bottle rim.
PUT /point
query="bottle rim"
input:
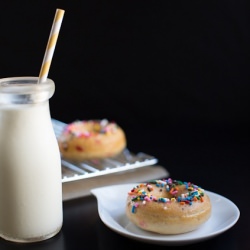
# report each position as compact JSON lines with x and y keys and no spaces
{"x":25,"y":90}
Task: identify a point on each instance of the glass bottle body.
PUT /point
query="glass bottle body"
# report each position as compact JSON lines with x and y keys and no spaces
{"x":30,"y":163}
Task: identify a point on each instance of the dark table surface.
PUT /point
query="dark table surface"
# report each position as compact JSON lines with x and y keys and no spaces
{"x":218,"y":167}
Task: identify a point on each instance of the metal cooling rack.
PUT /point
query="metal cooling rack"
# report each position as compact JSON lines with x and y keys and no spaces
{"x":91,"y":168}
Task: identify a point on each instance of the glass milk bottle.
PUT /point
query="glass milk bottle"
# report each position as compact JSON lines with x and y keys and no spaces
{"x":30,"y":163}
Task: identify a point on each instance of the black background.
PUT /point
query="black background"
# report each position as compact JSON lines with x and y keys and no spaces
{"x":171,"y":73}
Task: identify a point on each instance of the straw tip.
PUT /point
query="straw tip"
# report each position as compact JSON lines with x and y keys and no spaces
{"x":60,"y":10}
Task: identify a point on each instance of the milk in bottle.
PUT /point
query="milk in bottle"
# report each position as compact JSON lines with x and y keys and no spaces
{"x":30,"y":163}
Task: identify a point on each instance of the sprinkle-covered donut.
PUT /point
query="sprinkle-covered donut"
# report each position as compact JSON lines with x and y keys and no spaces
{"x":91,"y":139}
{"x":168,"y":206}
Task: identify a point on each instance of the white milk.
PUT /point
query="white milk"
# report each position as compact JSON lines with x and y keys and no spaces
{"x":30,"y":174}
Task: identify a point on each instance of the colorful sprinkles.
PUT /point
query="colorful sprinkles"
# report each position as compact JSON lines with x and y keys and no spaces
{"x":85,"y":129}
{"x":90,"y":128}
{"x":142,"y":192}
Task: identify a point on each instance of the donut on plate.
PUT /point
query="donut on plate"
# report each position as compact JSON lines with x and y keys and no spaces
{"x":91,"y":139}
{"x":168,"y":206}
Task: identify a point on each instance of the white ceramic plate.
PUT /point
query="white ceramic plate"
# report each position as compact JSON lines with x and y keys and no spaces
{"x":111,"y":207}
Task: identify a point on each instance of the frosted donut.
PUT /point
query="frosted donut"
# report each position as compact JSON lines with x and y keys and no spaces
{"x":168,"y":206}
{"x":91,"y":139}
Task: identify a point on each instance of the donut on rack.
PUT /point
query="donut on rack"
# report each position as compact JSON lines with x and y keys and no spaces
{"x":91,"y":139}
{"x":168,"y":206}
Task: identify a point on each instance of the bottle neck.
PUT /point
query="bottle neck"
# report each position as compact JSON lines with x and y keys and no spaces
{"x":25,"y":90}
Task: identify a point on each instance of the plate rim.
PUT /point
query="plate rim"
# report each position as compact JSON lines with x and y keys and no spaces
{"x":162,"y":241}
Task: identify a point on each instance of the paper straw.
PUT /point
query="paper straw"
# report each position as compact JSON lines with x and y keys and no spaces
{"x":51,"y":45}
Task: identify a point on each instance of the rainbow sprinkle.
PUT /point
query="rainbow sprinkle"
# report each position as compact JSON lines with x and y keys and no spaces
{"x":141,"y":192}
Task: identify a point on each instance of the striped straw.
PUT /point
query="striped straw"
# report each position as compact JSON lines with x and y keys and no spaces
{"x":51,"y":45}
